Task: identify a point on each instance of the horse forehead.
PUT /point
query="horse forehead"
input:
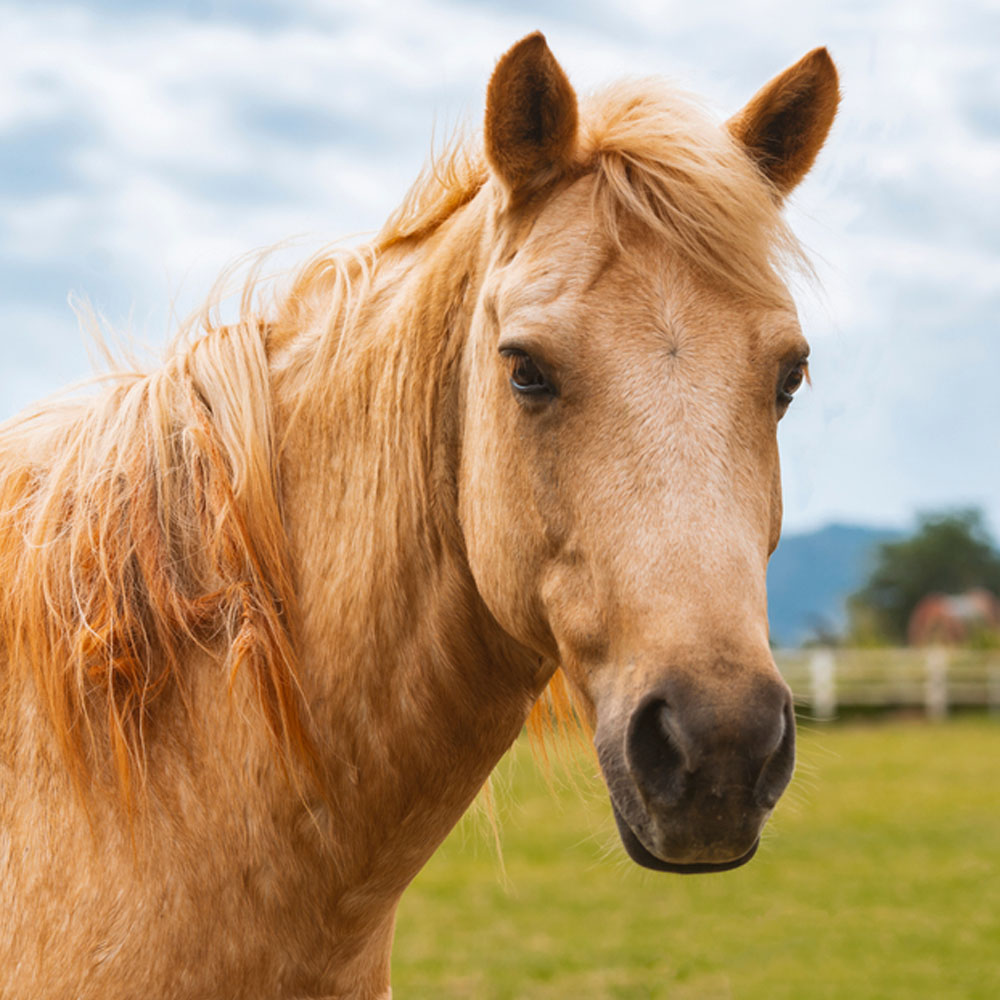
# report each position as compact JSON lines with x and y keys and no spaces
{"x":567,"y":266}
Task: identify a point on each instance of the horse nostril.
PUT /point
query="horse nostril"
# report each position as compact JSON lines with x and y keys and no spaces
{"x":778,"y":767}
{"x":676,"y":749}
{"x":655,"y":753}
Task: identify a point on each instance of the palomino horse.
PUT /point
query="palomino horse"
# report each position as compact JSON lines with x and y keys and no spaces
{"x":272,"y":612}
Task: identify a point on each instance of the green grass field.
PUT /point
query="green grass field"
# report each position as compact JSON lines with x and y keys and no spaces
{"x":879,"y":878}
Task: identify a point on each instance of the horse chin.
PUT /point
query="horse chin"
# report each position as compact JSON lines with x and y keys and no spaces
{"x":641,"y":855}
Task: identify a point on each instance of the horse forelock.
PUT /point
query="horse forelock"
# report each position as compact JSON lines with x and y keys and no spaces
{"x":661,"y":160}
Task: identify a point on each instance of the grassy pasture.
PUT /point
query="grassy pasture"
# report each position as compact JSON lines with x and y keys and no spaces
{"x":879,"y":878}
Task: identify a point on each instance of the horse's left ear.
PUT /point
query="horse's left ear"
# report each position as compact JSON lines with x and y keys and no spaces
{"x":785,"y":124}
{"x":531,"y":117}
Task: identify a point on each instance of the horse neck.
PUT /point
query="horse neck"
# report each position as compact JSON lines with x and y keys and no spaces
{"x":415,"y":690}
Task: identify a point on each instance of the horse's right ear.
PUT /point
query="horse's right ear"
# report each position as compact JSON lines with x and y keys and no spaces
{"x":531,"y":117}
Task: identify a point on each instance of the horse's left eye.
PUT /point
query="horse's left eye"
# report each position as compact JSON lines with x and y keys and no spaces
{"x":525,"y":376}
{"x":792,"y":381}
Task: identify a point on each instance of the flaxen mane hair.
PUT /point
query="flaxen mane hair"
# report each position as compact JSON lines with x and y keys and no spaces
{"x":144,"y":524}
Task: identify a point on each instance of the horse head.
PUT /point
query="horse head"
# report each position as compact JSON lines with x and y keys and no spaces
{"x":632,"y":351}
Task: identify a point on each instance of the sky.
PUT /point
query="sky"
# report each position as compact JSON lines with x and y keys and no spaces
{"x":144,"y":147}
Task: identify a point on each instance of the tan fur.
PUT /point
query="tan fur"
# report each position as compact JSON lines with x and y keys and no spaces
{"x":271,"y":613}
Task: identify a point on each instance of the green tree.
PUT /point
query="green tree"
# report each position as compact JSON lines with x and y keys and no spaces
{"x":951,"y":552}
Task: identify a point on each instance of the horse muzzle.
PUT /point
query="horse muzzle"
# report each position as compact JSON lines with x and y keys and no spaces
{"x":692,"y":781}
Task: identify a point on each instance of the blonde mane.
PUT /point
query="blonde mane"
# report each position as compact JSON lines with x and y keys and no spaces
{"x":146,"y":523}
{"x":661,"y":160}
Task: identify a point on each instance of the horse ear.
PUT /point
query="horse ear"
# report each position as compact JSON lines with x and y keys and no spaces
{"x":531,"y":117}
{"x":785,"y":124}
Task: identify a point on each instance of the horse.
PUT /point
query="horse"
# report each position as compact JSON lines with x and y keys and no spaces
{"x":272,"y":611}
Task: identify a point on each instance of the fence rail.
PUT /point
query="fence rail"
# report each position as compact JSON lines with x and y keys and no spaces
{"x":935,"y":679}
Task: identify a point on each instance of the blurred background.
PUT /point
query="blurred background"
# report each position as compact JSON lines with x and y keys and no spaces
{"x":144,"y":146}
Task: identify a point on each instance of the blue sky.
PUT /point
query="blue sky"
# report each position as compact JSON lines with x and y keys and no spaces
{"x":143,"y":147}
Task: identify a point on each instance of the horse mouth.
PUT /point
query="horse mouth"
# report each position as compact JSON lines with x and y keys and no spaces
{"x":642,"y":856}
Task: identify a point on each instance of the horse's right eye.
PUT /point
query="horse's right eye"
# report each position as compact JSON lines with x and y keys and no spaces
{"x":525,"y":376}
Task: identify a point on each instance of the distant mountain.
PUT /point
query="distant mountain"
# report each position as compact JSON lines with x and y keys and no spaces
{"x":811,"y":576}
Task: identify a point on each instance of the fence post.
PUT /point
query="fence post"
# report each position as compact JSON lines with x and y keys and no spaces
{"x":993,"y":690}
{"x":824,"y":692}
{"x":936,"y":683}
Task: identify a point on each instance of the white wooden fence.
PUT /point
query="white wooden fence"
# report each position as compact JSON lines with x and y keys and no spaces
{"x":935,"y":680}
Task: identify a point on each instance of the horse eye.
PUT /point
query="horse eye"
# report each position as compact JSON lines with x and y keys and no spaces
{"x":525,"y":375}
{"x":793,"y":380}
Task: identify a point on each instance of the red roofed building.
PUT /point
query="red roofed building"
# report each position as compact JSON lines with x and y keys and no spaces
{"x":951,"y":619}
